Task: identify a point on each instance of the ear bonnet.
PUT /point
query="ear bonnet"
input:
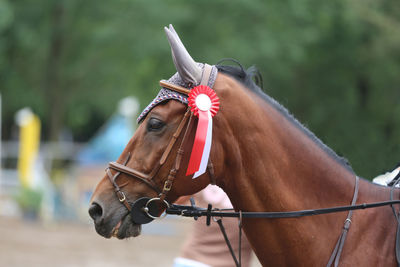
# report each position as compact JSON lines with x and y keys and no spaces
{"x":189,"y":74}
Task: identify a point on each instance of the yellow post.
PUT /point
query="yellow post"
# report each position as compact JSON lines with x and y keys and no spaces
{"x":28,"y":145}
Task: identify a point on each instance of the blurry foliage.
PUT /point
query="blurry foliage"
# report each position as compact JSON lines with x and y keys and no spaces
{"x":334,"y":64}
{"x":29,"y":200}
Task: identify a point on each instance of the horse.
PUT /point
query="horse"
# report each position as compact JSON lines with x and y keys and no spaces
{"x":262,"y":157}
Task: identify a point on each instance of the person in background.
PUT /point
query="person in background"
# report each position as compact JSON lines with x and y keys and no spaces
{"x":388,"y":178}
{"x":205,"y":246}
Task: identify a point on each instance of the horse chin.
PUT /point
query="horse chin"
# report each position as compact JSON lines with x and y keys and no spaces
{"x":126,"y":228}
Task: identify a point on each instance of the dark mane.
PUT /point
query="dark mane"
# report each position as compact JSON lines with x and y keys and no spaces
{"x":252,"y":80}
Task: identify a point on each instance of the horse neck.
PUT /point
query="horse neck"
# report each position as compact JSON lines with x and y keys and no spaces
{"x":273,"y":165}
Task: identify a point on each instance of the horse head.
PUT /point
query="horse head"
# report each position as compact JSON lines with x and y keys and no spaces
{"x":154,"y":162}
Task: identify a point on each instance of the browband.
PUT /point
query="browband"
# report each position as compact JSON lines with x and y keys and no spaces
{"x":180,"y":89}
{"x":174,"y":87}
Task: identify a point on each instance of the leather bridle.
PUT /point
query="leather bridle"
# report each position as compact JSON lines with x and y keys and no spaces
{"x":143,"y":204}
{"x":148,"y":179}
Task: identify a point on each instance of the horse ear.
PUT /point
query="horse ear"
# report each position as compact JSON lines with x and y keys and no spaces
{"x":184,"y":63}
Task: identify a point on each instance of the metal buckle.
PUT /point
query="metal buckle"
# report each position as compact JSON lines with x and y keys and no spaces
{"x":121,"y":196}
{"x":167,"y":186}
{"x":347,"y":224}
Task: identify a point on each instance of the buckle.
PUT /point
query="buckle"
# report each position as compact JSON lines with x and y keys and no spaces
{"x":167,"y":186}
{"x":121,"y":196}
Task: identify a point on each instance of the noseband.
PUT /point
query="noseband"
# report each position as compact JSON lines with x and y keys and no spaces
{"x":148,"y":178}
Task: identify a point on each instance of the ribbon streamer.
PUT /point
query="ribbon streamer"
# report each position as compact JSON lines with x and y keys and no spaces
{"x":204,"y":104}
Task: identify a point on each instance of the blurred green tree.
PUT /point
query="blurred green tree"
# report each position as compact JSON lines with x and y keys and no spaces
{"x":334,"y":64}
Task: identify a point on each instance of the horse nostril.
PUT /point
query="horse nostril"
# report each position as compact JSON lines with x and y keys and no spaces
{"x":95,"y":211}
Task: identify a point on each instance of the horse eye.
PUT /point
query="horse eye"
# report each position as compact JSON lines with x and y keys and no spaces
{"x":155,"y":125}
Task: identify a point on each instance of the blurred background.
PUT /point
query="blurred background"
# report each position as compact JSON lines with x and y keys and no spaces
{"x":74,"y":75}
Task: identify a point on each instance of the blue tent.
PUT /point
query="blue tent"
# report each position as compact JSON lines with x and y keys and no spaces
{"x":112,"y":138}
{"x":108,"y":144}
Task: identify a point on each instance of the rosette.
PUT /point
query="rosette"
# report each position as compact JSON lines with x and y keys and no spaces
{"x":204,"y":104}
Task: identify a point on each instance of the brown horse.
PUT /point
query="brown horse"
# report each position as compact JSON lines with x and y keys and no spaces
{"x":265,"y":160}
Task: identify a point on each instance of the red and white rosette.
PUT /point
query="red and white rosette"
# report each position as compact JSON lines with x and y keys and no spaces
{"x":204,"y":104}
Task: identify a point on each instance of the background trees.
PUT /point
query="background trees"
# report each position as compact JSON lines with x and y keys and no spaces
{"x":334,"y":64}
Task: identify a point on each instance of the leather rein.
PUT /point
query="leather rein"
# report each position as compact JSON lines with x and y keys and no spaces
{"x":193,"y":211}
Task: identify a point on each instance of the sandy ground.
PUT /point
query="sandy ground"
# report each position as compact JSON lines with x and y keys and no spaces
{"x":68,"y":245}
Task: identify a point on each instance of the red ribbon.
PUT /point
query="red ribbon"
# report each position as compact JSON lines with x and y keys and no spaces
{"x":200,"y":141}
{"x":210,"y":105}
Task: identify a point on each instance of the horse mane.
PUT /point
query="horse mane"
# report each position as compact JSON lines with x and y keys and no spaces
{"x":252,"y":80}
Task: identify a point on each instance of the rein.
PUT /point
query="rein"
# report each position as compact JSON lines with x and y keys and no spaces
{"x":195,"y":212}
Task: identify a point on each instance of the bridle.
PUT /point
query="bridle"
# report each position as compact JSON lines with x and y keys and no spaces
{"x":148,"y":179}
{"x":144,"y":210}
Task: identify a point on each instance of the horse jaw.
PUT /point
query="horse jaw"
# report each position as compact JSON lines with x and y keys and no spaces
{"x":125,"y":228}
{"x":184,"y":63}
